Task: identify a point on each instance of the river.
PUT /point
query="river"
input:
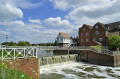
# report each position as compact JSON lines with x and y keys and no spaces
{"x":76,"y":70}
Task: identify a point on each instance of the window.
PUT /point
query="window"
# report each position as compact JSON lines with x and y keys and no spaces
{"x":94,"y":39}
{"x":81,"y":34}
{"x":86,"y":34}
{"x":100,"y":39}
{"x":81,"y":40}
{"x":96,"y":32}
{"x":87,"y":40}
{"x":96,"y":27}
{"x":84,"y":29}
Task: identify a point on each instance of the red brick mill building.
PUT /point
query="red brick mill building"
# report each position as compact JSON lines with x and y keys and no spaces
{"x":98,"y":34}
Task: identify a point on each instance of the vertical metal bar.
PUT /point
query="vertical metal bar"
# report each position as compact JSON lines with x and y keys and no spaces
{"x":14,"y":53}
{"x":33,"y":52}
{"x":24,"y":52}
{"x":36,"y":52}
{"x":2,"y":54}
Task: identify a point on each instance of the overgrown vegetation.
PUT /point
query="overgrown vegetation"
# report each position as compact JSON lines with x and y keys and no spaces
{"x":98,"y":47}
{"x":20,"y":43}
{"x":114,"y":42}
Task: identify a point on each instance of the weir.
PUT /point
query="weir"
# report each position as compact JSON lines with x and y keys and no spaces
{"x":58,"y":59}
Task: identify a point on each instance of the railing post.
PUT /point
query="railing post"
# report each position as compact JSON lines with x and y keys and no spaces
{"x":36,"y":52}
{"x":24,"y":52}
{"x":2,"y":54}
{"x":14,"y":53}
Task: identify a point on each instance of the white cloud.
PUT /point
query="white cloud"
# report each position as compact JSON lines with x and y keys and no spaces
{"x":57,"y":22}
{"x":35,"y":21}
{"x":7,"y":11}
{"x":84,"y":4}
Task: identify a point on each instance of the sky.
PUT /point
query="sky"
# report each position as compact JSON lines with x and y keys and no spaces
{"x":40,"y":21}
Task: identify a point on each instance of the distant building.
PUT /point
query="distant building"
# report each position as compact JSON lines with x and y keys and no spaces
{"x":98,"y":34}
{"x":63,"y":39}
{"x":75,"y":41}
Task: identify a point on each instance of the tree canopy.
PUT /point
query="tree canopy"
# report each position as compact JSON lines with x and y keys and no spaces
{"x":114,"y":41}
{"x":20,"y":43}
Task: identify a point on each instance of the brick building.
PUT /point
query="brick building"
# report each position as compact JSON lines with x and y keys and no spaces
{"x":85,"y":34}
{"x":97,"y":34}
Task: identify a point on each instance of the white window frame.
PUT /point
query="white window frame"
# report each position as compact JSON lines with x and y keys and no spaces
{"x":97,"y":33}
{"x":96,"y":27}
{"x":86,"y":34}
{"x":81,"y":40}
{"x":100,"y":39}
{"x":87,"y":40}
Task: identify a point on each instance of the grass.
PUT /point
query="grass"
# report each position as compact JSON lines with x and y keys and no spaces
{"x":8,"y":73}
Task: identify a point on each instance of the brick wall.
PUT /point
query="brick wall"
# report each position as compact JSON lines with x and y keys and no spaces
{"x":101,"y":33}
{"x":29,"y":66}
{"x":101,"y":59}
{"x":82,"y":35}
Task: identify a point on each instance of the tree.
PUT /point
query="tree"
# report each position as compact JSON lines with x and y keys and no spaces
{"x":114,"y":41}
{"x":28,"y":44}
{"x":12,"y":44}
{"x":55,"y":43}
{"x":22,"y":43}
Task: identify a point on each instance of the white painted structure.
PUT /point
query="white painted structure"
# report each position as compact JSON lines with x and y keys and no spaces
{"x":63,"y":38}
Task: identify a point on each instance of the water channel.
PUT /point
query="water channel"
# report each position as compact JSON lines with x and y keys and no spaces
{"x":65,"y":67}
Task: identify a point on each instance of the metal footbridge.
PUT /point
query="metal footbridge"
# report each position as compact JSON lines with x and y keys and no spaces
{"x":13,"y":52}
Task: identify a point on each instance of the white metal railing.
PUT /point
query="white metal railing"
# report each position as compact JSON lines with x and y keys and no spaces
{"x":14,"y":53}
{"x":104,"y":50}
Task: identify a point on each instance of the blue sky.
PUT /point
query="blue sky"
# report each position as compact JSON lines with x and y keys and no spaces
{"x":40,"y":21}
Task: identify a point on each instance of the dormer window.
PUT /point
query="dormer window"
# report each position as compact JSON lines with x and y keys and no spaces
{"x":96,"y":32}
{"x":96,"y":27}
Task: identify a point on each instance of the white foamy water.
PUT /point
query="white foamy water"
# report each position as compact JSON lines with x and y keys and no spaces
{"x":74,"y":70}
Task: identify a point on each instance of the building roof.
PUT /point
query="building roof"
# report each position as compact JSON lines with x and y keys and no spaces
{"x":112,"y":27}
{"x":89,"y":26}
{"x":64,"y":35}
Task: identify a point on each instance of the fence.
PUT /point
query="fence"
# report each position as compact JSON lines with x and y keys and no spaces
{"x":14,"y":53}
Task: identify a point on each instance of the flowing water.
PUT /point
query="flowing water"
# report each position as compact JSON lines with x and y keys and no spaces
{"x":67,"y":67}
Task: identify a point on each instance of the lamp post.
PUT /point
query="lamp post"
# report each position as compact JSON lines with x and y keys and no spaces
{"x":6,"y":40}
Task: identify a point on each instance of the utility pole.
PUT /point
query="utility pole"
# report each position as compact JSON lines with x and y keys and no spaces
{"x":6,"y":40}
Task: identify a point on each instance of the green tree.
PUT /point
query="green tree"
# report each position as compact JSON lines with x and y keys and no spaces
{"x":28,"y":44}
{"x":12,"y":43}
{"x":55,"y":43}
{"x":22,"y":43}
{"x":114,"y":41}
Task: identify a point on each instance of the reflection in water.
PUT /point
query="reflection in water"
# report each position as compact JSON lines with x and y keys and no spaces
{"x":44,"y":53}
